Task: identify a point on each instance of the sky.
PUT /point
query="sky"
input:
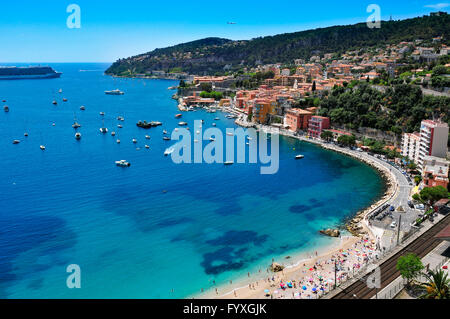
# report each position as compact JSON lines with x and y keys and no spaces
{"x":37,"y":31}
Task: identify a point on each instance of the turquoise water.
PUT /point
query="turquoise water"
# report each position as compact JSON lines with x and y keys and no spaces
{"x":156,"y":226}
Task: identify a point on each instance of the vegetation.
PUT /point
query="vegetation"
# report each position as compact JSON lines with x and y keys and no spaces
{"x":437,"y":287}
{"x":346,"y":140}
{"x":212,"y":95}
{"x":403,"y":106}
{"x":218,"y":56}
{"x":409,"y":266}
{"x":431,"y":195}
{"x":326,"y":135}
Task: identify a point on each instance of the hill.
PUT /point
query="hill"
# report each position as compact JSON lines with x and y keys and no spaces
{"x":216,"y":55}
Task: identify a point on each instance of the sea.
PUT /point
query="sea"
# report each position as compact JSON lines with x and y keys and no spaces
{"x":156,"y":229}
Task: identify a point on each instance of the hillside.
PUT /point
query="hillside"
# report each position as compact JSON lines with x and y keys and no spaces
{"x":211,"y":55}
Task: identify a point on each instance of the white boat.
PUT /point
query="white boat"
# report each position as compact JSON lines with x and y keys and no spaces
{"x":230,"y":134}
{"x":103,"y":130}
{"x":164,"y":132}
{"x":76,"y":125}
{"x":300,"y":157}
{"x":60,"y":91}
{"x":119,"y":126}
{"x":195,"y":141}
{"x":123,"y":163}
{"x":214,"y":124}
{"x":228,"y":163}
{"x":165,"y":138}
{"x":147,"y":137}
{"x":118,"y":141}
{"x":25,"y":134}
{"x":182,"y":124}
{"x":249,"y":138}
{"x":212,"y":139}
{"x":198,"y":132}
{"x":120,"y":118}
{"x":42,"y":147}
{"x":147,"y":147}
{"x":16,"y":141}
{"x":78,"y":136}
{"x":169,"y":151}
{"x":113,"y":133}
{"x":134,"y":141}
{"x":102,"y":113}
{"x":82,"y":108}
{"x":114,"y":92}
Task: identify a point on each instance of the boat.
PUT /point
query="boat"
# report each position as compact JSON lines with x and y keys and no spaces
{"x":195,"y":141}
{"x":25,"y":134}
{"x":102,"y":113}
{"x":230,"y":134}
{"x":113,"y":133}
{"x":134,"y":141}
{"x":118,"y":141}
{"x":82,"y":108}
{"x":249,"y":138}
{"x":119,"y":126}
{"x":114,"y":92}
{"x":147,"y":125}
{"x":300,"y":157}
{"x":147,"y":147}
{"x":212,"y":139}
{"x":60,"y":91}
{"x":147,"y":137}
{"x":42,"y":147}
{"x":182,"y":124}
{"x":228,"y":163}
{"x":166,"y":138}
{"x":55,"y":103}
{"x":217,"y":119}
{"x":16,"y":141}
{"x":214,"y":124}
{"x":164,"y":132}
{"x":120,"y":118}
{"x":64,"y":100}
{"x":169,"y":151}
{"x":75,"y":124}
{"x":178,"y":116}
{"x":78,"y":136}
{"x":123,"y":163}
{"x":28,"y":73}
{"x":6,"y":108}
{"x":103,"y":130}
{"x":198,"y":132}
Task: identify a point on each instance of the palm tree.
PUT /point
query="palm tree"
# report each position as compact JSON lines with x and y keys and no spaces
{"x":437,"y":287}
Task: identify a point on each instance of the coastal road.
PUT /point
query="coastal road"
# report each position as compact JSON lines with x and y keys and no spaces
{"x":422,"y":246}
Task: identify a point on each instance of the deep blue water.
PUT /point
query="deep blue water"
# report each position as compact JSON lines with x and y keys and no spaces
{"x":156,"y":226}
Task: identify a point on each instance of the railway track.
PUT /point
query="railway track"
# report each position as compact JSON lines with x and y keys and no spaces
{"x":421,"y":247}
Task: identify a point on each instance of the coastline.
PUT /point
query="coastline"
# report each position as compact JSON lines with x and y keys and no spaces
{"x":357,"y":225}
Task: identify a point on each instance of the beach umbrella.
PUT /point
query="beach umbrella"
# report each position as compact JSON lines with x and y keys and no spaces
{"x":276,"y":291}
{"x":314,"y":289}
{"x":304,"y":288}
{"x":267,"y":291}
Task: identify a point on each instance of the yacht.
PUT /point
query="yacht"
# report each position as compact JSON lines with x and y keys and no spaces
{"x":147,"y":137}
{"x":102,"y":113}
{"x":103,"y":130}
{"x":147,"y":147}
{"x":118,"y":141}
{"x":182,"y":124}
{"x":16,"y":141}
{"x":166,"y":138}
{"x":113,"y":133}
{"x":78,"y":136}
{"x":123,"y":163}
{"x":55,"y":103}
{"x":134,"y":141}
{"x":300,"y":157}
{"x":119,"y":126}
{"x":120,"y":118}
{"x":82,"y":108}
{"x":25,"y":134}
{"x":42,"y":147}
{"x":114,"y":92}
{"x":228,"y":163}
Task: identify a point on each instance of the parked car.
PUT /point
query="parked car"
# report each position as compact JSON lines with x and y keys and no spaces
{"x":410,"y":204}
{"x":393,"y":225}
{"x":392,"y":209}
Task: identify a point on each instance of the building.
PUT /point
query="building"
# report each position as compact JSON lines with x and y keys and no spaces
{"x":338,"y":133}
{"x":297,"y":119}
{"x":261,"y":110}
{"x":435,"y":171}
{"x":317,"y":124}
{"x":411,"y":146}
{"x":433,"y":140}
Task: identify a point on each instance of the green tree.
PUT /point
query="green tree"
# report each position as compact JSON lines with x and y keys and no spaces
{"x":409,"y":266}
{"x":437,"y":286}
{"x":326,"y":135}
{"x":433,"y":194}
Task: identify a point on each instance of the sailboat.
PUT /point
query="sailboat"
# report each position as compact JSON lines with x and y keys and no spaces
{"x":75,"y":125}
{"x":103,"y":129}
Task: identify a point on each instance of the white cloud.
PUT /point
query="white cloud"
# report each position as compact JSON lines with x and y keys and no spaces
{"x":438,"y":6}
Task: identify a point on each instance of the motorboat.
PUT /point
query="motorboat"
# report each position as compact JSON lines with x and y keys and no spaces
{"x":230,"y":134}
{"x":103,"y":130}
{"x":166,"y":138}
{"x":102,"y":113}
{"x":214,"y":124}
{"x":134,"y":141}
{"x":300,"y":157}
{"x":212,"y":139}
{"x":147,"y":137}
{"x":113,"y":133}
{"x":42,"y":147}
{"x":119,"y":126}
{"x":164,"y":132}
{"x":6,"y":108}
{"x":147,"y":147}
{"x":64,"y":100}
{"x":228,"y":163}
{"x":123,"y":163}
{"x":82,"y":108}
{"x":182,"y":124}
{"x":120,"y":118}
{"x":118,"y":141}
{"x":55,"y":103}
{"x":178,"y":116}
{"x":60,"y":91}
{"x":25,"y":134}
{"x":78,"y":136}
{"x":114,"y":92}
{"x":76,"y":125}
{"x":16,"y":142}
{"x":169,"y":151}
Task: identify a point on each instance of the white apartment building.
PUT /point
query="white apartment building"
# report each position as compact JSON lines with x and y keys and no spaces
{"x":433,"y":140}
{"x":411,"y":146}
